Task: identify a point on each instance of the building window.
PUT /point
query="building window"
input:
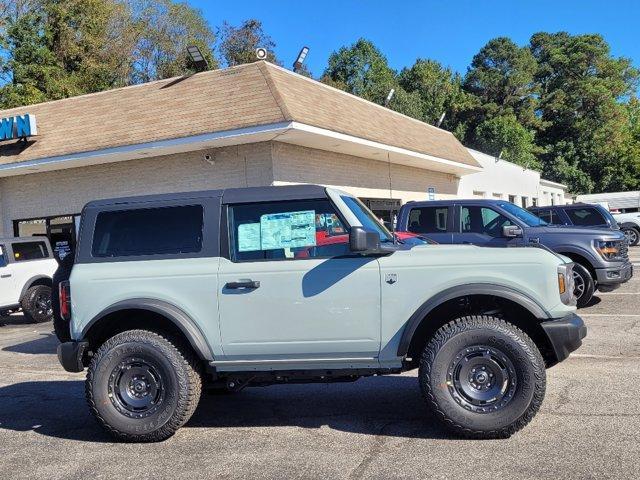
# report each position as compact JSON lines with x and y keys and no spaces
{"x":534,"y":201}
{"x":512,"y":199}
{"x":497,"y":195}
{"x":478,"y":194}
{"x":525,"y":202}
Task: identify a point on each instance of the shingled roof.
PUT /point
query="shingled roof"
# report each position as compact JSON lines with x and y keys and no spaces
{"x":249,"y":95}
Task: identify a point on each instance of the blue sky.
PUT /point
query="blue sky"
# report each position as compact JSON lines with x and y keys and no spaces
{"x":448,"y":31}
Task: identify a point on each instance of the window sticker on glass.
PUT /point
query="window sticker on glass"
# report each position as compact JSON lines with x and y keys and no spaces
{"x":288,"y":230}
{"x":249,"y":237}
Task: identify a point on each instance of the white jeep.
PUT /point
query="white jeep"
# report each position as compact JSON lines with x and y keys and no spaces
{"x":26,"y":269}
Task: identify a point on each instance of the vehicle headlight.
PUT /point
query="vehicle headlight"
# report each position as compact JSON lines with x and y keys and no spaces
{"x":566,"y":284}
{"x":609,"y":249}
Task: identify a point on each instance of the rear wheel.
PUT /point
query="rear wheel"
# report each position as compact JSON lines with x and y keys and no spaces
{"x":36,"y":304}
{"x":584,"y":286}
{"x":483,"y":377}
{"x":142,"y":387}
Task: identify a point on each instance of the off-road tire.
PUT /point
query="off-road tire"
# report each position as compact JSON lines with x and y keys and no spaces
{"x":30,"y":304}
{"x":491,"y":332}
{"x":176,"y":366}
{"x":589,"y":285}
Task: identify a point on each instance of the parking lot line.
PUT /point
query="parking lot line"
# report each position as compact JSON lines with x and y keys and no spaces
{"x":617,"y":293}
{"x":609,"y":315}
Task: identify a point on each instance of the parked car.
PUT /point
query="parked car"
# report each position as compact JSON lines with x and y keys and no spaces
{"x":170,"y":291}
{"x":601,"y":256}
{"x":589,"y":215}
{"x":26,"y":268}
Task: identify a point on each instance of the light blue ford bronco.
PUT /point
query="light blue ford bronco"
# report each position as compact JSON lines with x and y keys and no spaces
{"x":258,"y":286}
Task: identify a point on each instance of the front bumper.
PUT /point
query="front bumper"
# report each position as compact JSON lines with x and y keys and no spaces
{"x":71,"y":355}
{"x":614,"y":276}
{"x":565,"y":334}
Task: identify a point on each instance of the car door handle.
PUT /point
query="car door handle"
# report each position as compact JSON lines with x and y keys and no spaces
{"x":249,"y":284}
{"x":7,"y":275}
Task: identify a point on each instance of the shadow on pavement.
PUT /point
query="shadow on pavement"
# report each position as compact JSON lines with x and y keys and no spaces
{"x":387,"y":406}
{"x":47,"y":343}
{"x":15,"y":319}
{"x":594,"y":301}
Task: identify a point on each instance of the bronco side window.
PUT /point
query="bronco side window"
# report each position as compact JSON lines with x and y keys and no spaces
{"x":286,"y":230}
{"x":148,"y":231}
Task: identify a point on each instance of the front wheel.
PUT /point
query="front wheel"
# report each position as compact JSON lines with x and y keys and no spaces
{"x":633,"y":236}
{"x":142,"y":387}
{"x":36,"y":304}
{"x":483,"y":377}
{"x":584,"y":286}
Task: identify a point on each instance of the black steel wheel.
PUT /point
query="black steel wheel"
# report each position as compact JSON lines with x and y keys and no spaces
{"x":482,"y":376}
{"x":584,"y":286}
{"x":482,"y":379}
{"x":142,"y":387}
{"x":36,"y":304}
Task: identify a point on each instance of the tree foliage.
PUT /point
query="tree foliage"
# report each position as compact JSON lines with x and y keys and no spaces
{"x":238,"y":44}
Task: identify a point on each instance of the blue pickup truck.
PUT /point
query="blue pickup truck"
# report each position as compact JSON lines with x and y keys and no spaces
{"x":601,"y":256}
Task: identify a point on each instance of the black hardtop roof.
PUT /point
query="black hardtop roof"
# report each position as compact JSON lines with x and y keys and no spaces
{"x":229,"y":195}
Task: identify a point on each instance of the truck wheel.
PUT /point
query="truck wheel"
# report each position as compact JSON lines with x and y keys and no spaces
{"x":36,"y":304}
{"x":141,"y":387}
{"x":584,"y":285}
{"x":483,"y":377}
{"x":632,"y":235}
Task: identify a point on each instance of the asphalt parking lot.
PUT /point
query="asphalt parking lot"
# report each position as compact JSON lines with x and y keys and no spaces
{"x":589,"y":425}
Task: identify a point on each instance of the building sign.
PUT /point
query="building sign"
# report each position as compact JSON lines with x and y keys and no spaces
{"x":20,"y":126}
{"x":431,"y":191}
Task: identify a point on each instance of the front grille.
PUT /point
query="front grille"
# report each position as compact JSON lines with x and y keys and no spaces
{"x":624,"y":250}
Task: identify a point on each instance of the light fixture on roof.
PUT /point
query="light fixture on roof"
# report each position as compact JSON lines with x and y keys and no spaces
{"x":441,"y":119}
{"x":387,"y":100}
{"x":199,"y":62}
{"x":297,"y":65}
{"x":261,"y":53}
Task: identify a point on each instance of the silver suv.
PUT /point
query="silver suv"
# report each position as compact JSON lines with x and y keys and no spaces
{"x":259,"y":286}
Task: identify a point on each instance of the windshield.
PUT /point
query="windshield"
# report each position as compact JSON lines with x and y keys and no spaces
{"x":367,"y":218}
{"x":608,"y":216}
{"x":521,"y":214}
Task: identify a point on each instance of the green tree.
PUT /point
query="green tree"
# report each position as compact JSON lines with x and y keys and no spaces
{"x":361,"y":69}
{"x":160,"y":31}
{"x":507,"y":138}
{"x":238,"y":44}
{"x":51,"y":49}
{"x":586,"y":137}
{"x":438,"y":91}
{"x":501,"y":76}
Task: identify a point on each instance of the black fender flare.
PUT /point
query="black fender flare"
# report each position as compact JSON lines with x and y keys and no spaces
{"x":175,"y":315}
{"x":493,"y":290}
{"x":29,"y":283}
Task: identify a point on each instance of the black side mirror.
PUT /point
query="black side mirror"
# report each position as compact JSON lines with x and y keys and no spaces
{"x":361,"y":240}
{"x":511,"y":231}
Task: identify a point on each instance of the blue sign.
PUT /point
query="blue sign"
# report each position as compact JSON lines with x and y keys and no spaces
{"x":20,"y":126}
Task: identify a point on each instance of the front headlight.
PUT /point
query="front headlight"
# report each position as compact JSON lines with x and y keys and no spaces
{"x":566,"y":284}
{"x":609,"y":249}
